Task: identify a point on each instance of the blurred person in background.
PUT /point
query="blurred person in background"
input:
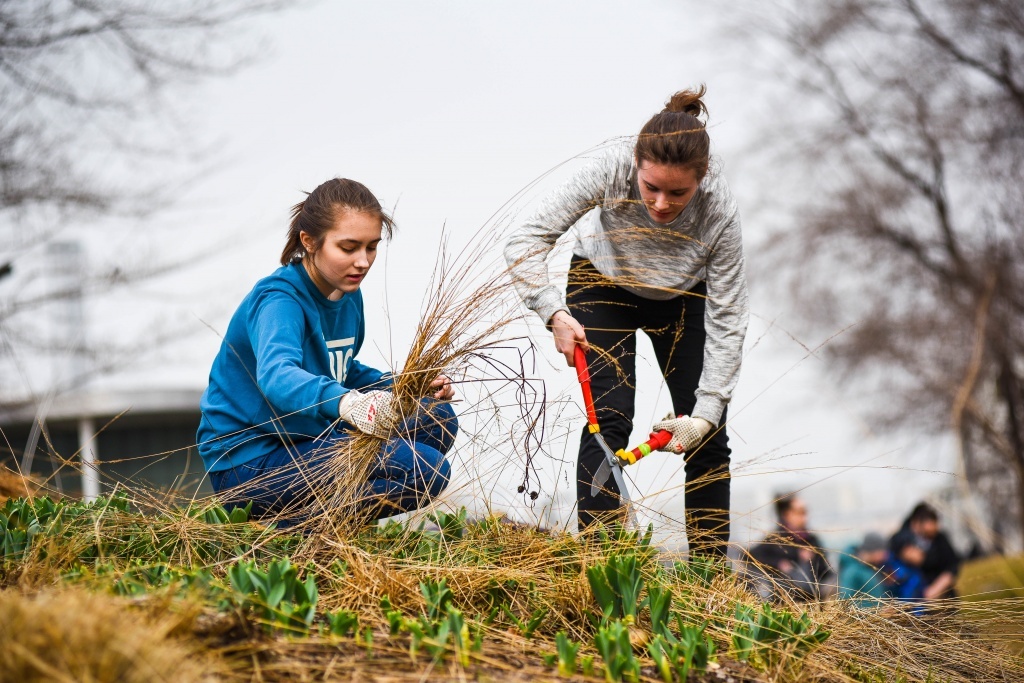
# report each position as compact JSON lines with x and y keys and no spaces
{"x":921,"y":544}
{"x":792,"y":557}
{"x":869,"y":574}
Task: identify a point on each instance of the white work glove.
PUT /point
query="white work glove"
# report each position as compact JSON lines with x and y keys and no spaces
{"x":373,"y":412}
{"x":687,"y":432}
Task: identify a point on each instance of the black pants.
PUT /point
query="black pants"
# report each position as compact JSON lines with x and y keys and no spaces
{"x":612,"y":316}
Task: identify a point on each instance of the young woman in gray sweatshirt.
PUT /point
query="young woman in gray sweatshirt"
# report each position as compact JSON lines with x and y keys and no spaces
{"x":658,"y":249}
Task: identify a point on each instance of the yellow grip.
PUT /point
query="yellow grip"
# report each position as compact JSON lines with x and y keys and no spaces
{"x":626,"y":456}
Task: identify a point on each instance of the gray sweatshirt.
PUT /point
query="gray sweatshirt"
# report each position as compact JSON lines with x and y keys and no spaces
{"x":653,"y":260}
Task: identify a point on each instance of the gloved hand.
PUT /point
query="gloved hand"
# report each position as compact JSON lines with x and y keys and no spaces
{"x":686,"y":431}
{"x":372,"y":412}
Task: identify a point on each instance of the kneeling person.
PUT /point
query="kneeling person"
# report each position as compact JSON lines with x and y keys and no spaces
{"x":285,"y":388}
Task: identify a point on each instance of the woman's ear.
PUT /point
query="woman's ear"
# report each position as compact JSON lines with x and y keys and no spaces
{"x":308,"y":243}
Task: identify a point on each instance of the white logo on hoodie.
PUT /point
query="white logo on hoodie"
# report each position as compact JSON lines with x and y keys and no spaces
{"x":341,"y":352}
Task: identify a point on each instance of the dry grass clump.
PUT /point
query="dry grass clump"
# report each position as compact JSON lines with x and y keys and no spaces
{"x":901,"y":643}
{"x":466,"y":311}
{"x":13,"y":485}
{"x":74,"y":635}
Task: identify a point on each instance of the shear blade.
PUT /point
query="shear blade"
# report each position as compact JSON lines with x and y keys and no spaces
{"x":604,"y":470}
{"x":621,"y":482}
{"x":609,"y":468}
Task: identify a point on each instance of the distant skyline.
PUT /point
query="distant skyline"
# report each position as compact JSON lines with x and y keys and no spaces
{"x":447,"y":111}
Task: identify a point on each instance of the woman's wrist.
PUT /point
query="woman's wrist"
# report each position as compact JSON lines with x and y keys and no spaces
{"x":561,"y":312}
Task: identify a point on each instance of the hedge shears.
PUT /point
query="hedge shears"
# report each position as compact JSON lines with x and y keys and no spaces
{"x":612,"y":464}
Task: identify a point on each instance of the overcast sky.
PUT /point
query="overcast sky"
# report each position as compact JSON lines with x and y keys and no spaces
{"x":447,"y":111}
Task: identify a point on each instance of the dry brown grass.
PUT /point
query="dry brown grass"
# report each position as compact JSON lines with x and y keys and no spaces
{"x":74,"y":635}
{"x":90,"y":631}
{"x":13,"y":485}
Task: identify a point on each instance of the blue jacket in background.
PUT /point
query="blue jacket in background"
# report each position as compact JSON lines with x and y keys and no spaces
{"x":868,"y":586}
{"x":287,"y":358}
{"x":859,"y":581}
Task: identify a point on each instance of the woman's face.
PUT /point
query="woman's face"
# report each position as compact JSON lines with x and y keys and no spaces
{"x":925,"y":528}
{"x":665,"y":189}
{"x":795,"y":518}
{"x":348,"y":250}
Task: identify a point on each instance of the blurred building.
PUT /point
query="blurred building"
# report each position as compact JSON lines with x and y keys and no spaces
{"x":80,"y":438}
{"x":86,"y":443}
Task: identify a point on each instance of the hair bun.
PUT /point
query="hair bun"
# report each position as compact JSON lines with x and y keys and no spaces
{"x":688,"y":102}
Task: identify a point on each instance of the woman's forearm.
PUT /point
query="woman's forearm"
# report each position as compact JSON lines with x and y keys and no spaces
{"x":942,"y":583}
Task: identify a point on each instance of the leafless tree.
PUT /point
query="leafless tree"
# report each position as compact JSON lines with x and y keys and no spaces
{"x":910,"y":217}
{"x":90,"y":128}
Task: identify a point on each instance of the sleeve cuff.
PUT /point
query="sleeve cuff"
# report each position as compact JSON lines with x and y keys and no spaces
{"x":548,"y":312}
{"x":330,"y":399}
{"x":709,"y":408}
{"x":548,"y":303}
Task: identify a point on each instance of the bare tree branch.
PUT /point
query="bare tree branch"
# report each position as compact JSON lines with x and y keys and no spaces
{"x":1003,"y":75}
{"x":81,"y":83}
{"x":919,"y":228}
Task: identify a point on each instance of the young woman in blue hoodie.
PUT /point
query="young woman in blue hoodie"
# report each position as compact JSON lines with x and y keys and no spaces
{"x":286,"y":387}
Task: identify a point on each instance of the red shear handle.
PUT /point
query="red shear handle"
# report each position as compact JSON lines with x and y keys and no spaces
{"x":580,"y":359}
{"x":657,"y":441}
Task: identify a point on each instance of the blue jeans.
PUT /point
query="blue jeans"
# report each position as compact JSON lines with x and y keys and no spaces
{"x":410,"y":467}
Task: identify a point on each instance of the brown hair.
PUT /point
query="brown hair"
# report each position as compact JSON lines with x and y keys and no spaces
{"x":318,"y":212}
{"x":783,"y":504}
{"x":923,"y":512}
{"x":676,"y":136}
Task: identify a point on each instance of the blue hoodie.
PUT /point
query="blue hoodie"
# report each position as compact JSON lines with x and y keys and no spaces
{"x":286,"y":361}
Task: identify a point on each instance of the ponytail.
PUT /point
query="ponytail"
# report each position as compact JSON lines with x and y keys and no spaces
{"x":293,"y":249}
{"x":676,"y":136}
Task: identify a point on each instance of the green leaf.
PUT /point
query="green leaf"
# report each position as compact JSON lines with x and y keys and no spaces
{"x":656,"y":648}
{"x":612,"y":642}
{"x":659,"y":604}
{"x":567,"y":651}
{"x":258,"y":580}
{"x":601,"y":590}
{"x":238,"y":576}
{"x":343,"y":622}
{"x":220,"y":514}
{"x":273,"y":599}
{"x":534,"y":621}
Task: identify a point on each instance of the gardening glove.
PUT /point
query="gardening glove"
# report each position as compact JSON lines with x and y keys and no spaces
{"x":372,"y":412}
{"x":687,"y":432}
